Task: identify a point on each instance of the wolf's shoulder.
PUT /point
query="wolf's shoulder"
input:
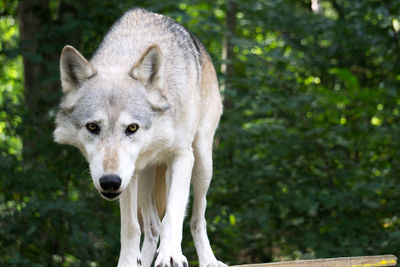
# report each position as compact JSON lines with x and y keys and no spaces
{"x":137,"y":29}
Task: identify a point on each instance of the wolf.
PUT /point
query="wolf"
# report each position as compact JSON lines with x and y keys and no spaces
{"x":143,"y":112}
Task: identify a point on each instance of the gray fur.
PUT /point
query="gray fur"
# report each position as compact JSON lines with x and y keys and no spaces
{"x":113,"y":103}
{"x":170,"y":35}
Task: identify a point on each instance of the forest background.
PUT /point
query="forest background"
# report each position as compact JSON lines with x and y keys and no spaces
{"x":306,"y":161}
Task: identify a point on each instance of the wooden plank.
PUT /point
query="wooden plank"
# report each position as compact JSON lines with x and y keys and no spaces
{"x":366,"y":261}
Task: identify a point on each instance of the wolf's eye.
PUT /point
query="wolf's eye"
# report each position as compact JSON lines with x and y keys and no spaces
{"x":131,"y":129}
{"x":93,"y":128}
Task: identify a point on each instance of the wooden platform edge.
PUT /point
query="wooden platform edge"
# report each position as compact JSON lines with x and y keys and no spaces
{"x":364,"y":261}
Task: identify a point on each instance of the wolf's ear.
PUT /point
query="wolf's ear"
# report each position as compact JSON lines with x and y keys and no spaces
{"x":74,"y":69}
{"x":148,"y":69}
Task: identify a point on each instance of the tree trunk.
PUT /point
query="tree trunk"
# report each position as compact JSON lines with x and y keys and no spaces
{"x":32,"y":15}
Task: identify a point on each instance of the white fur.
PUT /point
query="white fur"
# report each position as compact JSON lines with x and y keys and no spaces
{"x":130,"y":229}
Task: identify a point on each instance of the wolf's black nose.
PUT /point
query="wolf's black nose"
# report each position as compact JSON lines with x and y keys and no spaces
{"x":110,"y":182}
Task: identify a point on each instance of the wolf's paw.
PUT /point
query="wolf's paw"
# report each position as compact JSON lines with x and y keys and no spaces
{"x":171,"y":260}
{"x":129,"y":258}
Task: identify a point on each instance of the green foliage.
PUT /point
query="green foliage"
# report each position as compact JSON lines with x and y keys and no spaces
{"x":309,"y":148}
{"x":307,"y":160}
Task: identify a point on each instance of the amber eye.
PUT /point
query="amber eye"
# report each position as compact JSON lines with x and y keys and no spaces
{"x":93,"y":128}
{"x":131,"y":129}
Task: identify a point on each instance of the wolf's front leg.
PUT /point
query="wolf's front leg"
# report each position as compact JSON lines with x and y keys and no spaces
{"x":130,"y":228}
{"x":151,"y":221}
{"x":179,"y":172}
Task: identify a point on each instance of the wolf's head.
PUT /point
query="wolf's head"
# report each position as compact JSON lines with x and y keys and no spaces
{"x":108,"y":113}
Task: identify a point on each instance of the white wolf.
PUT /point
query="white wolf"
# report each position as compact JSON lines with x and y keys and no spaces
{"x":143,"y":111}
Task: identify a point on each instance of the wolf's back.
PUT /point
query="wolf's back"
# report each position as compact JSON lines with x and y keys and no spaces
{"x":138,"y":29}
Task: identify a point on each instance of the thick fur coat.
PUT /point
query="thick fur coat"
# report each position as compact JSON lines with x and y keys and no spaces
{"x":143,"y":111}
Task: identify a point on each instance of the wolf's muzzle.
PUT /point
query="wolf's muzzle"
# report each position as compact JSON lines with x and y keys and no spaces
{"x":110,"y":184}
